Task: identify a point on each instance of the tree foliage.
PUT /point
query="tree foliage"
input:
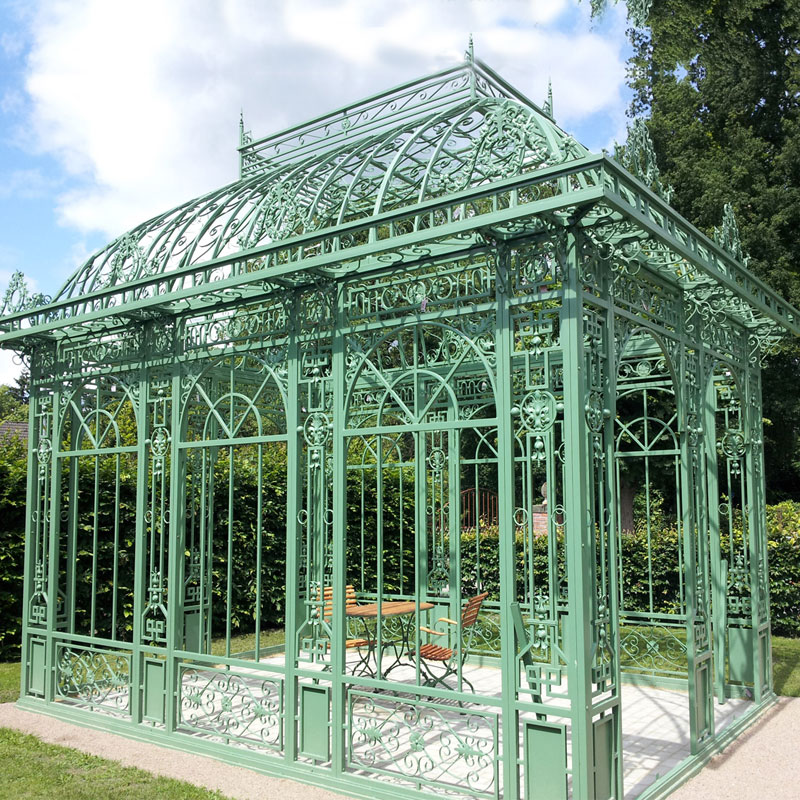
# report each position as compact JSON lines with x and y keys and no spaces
{"x":719,"y":84}
{"x":13,"y":476}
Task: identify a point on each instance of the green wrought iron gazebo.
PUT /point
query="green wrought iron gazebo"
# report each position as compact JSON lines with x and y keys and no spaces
{"x":470,"y":410}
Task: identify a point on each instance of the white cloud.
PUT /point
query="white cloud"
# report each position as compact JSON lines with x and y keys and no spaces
{"x":10,"y":367}
{"x":140,"y":101}
{"x":26,"y":184}
{"x":12,"y":102}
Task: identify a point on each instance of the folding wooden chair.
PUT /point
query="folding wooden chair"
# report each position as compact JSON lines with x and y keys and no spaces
{"x":450,"y":658}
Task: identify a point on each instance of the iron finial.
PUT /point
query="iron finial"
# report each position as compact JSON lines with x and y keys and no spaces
{"x":548,"y":103}
{"x":470,"y":59}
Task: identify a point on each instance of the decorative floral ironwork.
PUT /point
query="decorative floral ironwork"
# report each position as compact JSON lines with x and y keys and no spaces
{"x":732,"y":444}
{"x":129,"y":262}
{"x":18,"y":297}
{"x":437,"y":460}
{"x":159,"y":442}
{"x":538,"y":410}
{"x":238,"y":708}
{"x":94,"y":677}
{"x":278,"y":216}
{"x":316,"y":429}
{"x":652,"y":649}
{"x":595,"y":413}
{"x":425,"y":743}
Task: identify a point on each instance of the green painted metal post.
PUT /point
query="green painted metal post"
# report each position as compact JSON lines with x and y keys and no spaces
{"x":504,"y":337}
{"x":338,"y":626}
{"x":139,"y":548}
{"x":689,"y":557}
{"x":578,"y":535}
{"x":177,"y":511}
{"x":718,"y":571}
{"x":32,"y":501}
{"x":293,"y":484}
{"x":610,"y":494}
{"x":753,"y":513}
{"x":53,"y":547}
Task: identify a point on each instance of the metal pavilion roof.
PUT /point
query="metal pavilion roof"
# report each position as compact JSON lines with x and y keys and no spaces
{"x":440,"y":163}
{"x":461,"y":128}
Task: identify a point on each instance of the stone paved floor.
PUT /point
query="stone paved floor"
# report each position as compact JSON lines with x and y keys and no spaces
{"x":655,"y":724}
{"x":655,"y":732}
{"x":396,"y":737}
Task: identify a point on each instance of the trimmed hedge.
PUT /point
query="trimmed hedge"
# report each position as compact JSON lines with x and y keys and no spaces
{"x":13,"y":480}
{"x":783,"y":534}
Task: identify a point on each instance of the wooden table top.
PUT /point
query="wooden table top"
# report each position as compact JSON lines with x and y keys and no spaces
{"x":388,"y":608}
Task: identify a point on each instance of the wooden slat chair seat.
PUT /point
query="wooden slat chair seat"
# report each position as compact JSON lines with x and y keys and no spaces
{"x":349,"y":600}
{"x":434,"y":652}
{"x":449,"y":656}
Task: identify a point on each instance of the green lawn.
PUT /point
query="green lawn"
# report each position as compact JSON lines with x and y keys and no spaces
{"x":33,"y":770}
{"x":245,"y":643}
{"x":786,"y":666}
{"x":9,"y":682}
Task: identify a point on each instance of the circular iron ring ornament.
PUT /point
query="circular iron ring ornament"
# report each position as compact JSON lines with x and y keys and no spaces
{"x":159,"y":442}
{"x":44,"y":451}
{"x":733,"y":444}
{"x":595,"y":413}
{"x":316,"y":429}
{"x":538,"y":411}
{"x":437,"y":459}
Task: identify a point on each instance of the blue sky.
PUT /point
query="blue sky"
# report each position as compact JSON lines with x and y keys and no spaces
{"x":111,"y":112}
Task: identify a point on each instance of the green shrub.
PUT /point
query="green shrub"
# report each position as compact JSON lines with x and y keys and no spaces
{"x":13,"y":477}
{"x":783,"y":525}
{"x":783,"y":535}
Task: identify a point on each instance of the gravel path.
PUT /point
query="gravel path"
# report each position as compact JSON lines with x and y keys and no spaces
{"x":762,"y":763}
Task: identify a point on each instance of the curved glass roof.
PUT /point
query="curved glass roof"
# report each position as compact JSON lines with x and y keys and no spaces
{"x":433,"y":151}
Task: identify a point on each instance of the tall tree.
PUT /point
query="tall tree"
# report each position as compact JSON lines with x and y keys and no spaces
{"x":718,"y":82}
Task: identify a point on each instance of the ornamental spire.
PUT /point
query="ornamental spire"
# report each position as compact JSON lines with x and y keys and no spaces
{"x":19,"y":298}
{"x":638,"y":156}
{"x":727,"y":237}
{"x":469,"y":57}
{"x":548,"y":103}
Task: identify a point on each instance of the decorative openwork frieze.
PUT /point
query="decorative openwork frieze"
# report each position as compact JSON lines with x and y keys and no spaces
{"x":243,"y":324}
{"x":426,"y":745}
{"x":95,"y":677}
{"x":652,"y":649}
{"x":244,"y":709}
{"x":441,"y":286}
